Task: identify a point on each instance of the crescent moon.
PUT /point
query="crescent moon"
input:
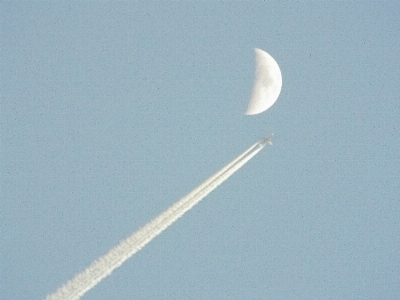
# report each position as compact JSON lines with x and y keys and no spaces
{"x":267,"y":84}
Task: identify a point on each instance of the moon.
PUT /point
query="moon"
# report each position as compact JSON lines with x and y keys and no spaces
{"x":267,"y":84}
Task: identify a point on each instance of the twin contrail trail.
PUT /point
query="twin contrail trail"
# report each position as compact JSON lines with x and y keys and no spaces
{"x":105,"y":265}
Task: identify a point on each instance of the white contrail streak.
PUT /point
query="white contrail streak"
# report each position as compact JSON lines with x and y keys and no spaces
{"x":105,"y":265}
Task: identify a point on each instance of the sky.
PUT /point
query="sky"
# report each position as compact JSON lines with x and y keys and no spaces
{"x":112,"y":111}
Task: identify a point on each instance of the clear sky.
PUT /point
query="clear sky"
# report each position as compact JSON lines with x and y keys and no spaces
{"x":112,"y":111}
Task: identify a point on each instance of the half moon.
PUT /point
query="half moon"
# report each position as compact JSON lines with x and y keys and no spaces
{"x":267,"y":84}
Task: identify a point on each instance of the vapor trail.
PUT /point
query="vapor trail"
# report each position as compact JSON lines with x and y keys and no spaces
{"x":105,"y":265}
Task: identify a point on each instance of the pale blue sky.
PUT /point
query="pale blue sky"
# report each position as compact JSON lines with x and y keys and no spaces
{"x":110,"y":112}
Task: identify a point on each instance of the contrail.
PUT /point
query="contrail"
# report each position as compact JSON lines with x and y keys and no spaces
{"x":105,"y":265}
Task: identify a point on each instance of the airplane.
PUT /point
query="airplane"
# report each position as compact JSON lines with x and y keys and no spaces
{"x":266,"y":140}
